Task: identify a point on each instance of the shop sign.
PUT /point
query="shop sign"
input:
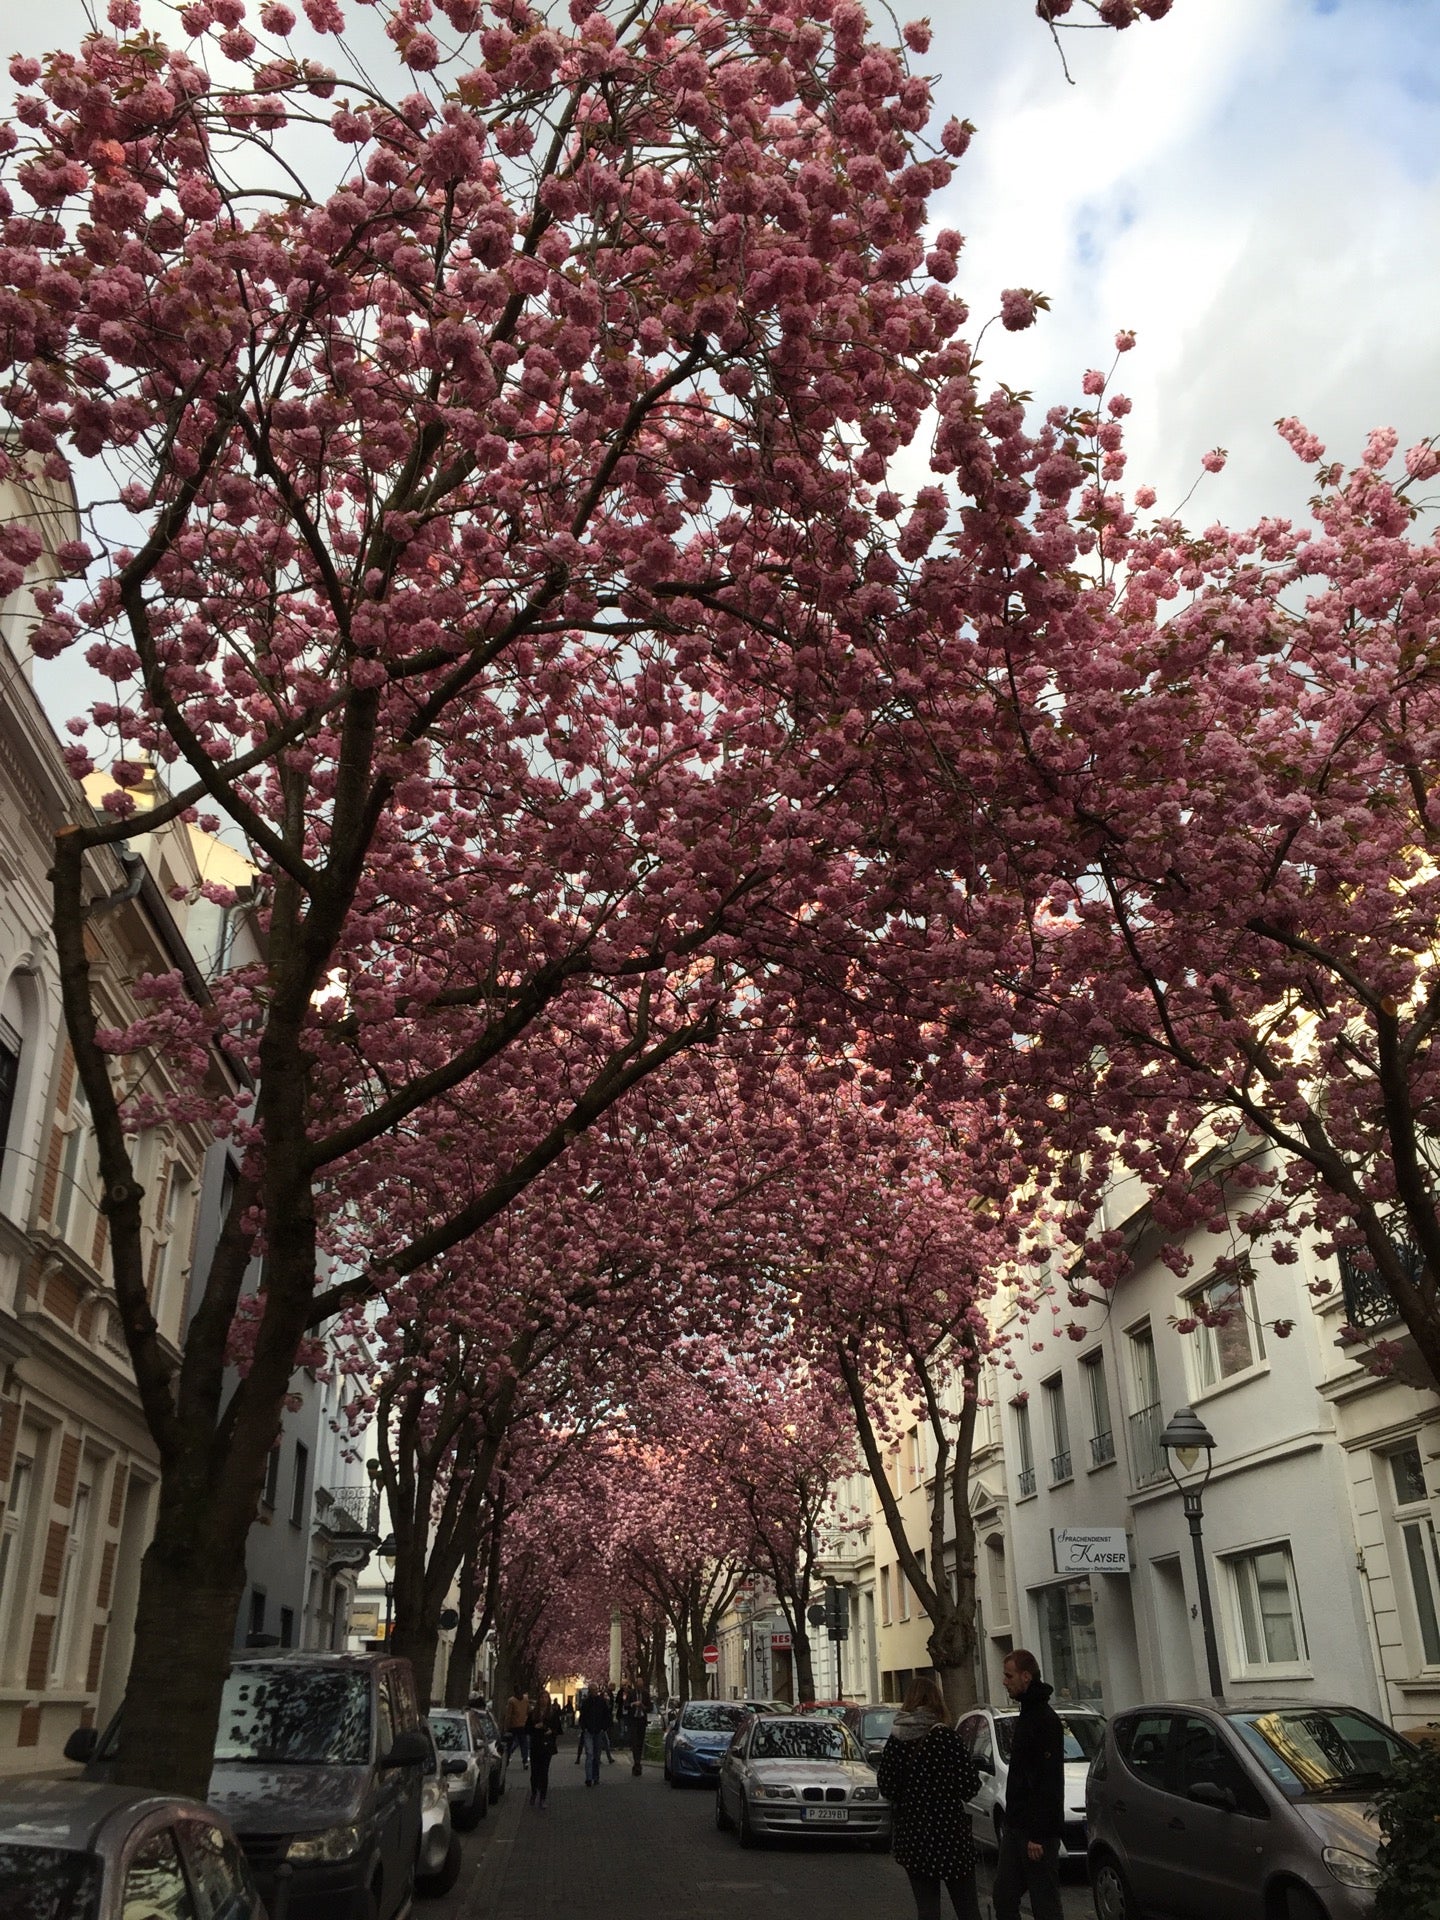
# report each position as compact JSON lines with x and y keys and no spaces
{"x":1090,"y":1549}
{"x":780,"y":1642}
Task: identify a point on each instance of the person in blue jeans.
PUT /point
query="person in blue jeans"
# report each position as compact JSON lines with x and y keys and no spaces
{"x":594,"y":1729}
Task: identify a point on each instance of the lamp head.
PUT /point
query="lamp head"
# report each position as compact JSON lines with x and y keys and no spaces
{"x":1187,"y":1437}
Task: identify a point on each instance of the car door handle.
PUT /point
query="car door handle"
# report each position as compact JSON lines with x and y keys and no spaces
{"x":1177,"y":1825}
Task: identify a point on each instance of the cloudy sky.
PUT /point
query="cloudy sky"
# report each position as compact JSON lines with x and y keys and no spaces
{"x":1253,"y":185}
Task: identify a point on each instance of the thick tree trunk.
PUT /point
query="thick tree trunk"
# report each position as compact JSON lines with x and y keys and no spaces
{"x":951,"y":1646}
{"x":804,"y":1663}
{"x":460,"y":1678}
{"x":190,"y":1592}
{"x":419,"y":1642}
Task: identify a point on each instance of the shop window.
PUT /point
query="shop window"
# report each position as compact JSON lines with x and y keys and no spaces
{"x":1067,"y":1631}
{"x":1415,"y":1524}
{"x":1267,"y":1608}
{"x":1229,"y":1340}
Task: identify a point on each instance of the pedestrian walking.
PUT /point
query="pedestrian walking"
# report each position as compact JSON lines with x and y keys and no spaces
{"x":594,"y":1731}
{"x":637,"y":1724}
{"x":927,"y":1775}
{"x":544,"y":1739}
{"x":517,"y":1732}
{"x":1029,"y":1860}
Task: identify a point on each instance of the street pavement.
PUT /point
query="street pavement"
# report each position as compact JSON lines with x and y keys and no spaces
{"x":630,"y":1847}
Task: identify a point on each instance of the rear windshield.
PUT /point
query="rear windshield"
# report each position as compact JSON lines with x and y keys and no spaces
{"x":802,"y":1739}
{"x":48,"y":1883}
{"x":711,"y":1716}
{"x":1321,"y":1750}
{"x":451,"y":1736}
{"x":1084,"y":1734}
{"x":879,"y":1723}
{"x":295,"y":1716}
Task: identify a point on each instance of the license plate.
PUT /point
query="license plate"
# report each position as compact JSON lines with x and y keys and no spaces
{"x":826,"y":1816}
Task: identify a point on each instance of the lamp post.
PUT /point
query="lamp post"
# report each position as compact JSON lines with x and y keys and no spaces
{"x":387,"y":1562}
{"x":1184,"y":1440}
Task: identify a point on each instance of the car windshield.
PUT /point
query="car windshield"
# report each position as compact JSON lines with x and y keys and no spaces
{"x":295,"y":1716}
{"x":1084,"y":1733}
{"x":1320,"y":1749}
{"x":802,"y":1739}
{"x":48,"y":1883}
{"x":711,"y":1716}
{"x":878,"y":1723}
{"x":451,"y":1733}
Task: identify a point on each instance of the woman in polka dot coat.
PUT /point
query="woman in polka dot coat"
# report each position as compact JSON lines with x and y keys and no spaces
{"x":927,"y":1775}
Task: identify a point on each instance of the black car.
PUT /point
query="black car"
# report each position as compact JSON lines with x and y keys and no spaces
{"x":871,"y":1727}
{"x":318,"y":1768}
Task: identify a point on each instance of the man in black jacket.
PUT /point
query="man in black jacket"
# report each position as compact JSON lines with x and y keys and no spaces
{"x":1034,"y":1798}
{"x":595,"y":1720}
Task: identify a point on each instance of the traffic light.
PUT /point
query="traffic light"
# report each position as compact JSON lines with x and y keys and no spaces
{"x":837,"y":1611}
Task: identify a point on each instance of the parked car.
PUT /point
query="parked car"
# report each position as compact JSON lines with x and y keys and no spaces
{"x":495,"y":1743}
{"x":465,"y":1759}
{"x":318,"y":1760}
{"x":824,"y":1709}
{"x":988,"y":1733}
{"x":696,"y":1740}
{"x":797,"y":1774}
{"x":77,"y":1850}
{"x":871,"y":1727}
{"x":1251,"y":1812}
{"x":437,"y":1851}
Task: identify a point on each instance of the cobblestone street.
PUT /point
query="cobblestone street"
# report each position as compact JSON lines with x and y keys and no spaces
{"x":633,"y":1846}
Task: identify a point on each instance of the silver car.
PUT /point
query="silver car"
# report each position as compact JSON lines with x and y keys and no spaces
{"x":988,"y":1732}
{"x":437,"y":1856}
{"x":1198,"y":1810}
{"x":78,"y":1850}
{"x":798,"y":1774}
{"x":465,"y":1761}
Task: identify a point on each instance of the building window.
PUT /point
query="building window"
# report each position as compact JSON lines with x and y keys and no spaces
{"x":885,"y":1615}
{"x":1145,"y":1422}
{"x":257,"y":1612}
{"x":172,"y":1236}
{"x":1228,"y":1339}
{"x":1097,"y":1393}
{"x":902,"y":1592}
{"x":67,"y":1606}
{"x":13,"y":1533}
{"x":1267,"y":1608}
{"x":272,"y":1478}
{"x":287,"y":1626}
{"x":1416,"y":1526}
{"x":73,"y":1170}
{"x":1059,"y":1425}
{"x":1024,"y":1449}
{"x":9,"y":1081}
{"x":297,"y":1492}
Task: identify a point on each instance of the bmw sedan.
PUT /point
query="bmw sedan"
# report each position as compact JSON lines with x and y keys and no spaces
{"x":799,"y":1775}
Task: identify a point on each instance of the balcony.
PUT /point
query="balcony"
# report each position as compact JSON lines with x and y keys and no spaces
{"x":1369,"y":1304}
{"x":1060,"y":1468}
{"x":344,"y":1511}
{"x":1102,"y":1448}
{"x":1025,"y":1480}
{"x":1146,"y":1454}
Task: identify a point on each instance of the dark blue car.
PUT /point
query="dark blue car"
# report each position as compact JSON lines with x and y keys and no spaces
{"x":695,"y":1744}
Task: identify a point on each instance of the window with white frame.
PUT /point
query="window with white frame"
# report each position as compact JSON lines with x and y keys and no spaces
{"x":74,"y":1184}
{"x":10,"y":1046}
{"x":14,"y":1534}
{"x":1415,"y":1525}
{"x":62,"y":1660}
{"x":1228,"y":1339}
{"x":1270,"y":1631}
{"x":173,"y":1234}
{"x":1097,"y":1395}
{"x":1024,"y":1448}
{"x":885,"y":1612}
{"x":1058,"y":1422}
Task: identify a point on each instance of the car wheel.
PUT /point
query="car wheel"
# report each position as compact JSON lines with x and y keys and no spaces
{"x":1113,"y":1898}
{"x":748,"y":1836}
{"x":433,"y":1884}
{"x":722,"y":1818}
{"x":1301,"y":1904}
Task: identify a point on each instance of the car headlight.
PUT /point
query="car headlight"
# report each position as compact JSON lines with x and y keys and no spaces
{"x":763,"y":1791}
{"x":335,"y":1843}
{"x":684,"y":1740}
{"x":1351,"y":1869}
{"x":866,"y":1793}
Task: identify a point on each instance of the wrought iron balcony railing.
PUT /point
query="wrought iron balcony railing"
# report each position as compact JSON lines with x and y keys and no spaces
{"x":347,"y":1509}
{"x":1060,"y":1467}
{"x":1102,"y":1448}
{"x":1026,"y":1482}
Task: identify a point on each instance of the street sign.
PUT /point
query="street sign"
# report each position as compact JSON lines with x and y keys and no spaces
{"x":1090,"y":1549}
{"x":815,"y":1613}
{"x":712,"y":1656}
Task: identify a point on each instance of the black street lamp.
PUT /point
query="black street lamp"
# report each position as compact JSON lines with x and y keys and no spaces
{"x":1184,"y":1440}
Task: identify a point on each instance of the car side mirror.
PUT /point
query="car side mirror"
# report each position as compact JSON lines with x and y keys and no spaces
{"x":455,"y":1766}
{"x":81,"y":1745}
{"x":409,"y":1749}
{"x":1208,"y":1794}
